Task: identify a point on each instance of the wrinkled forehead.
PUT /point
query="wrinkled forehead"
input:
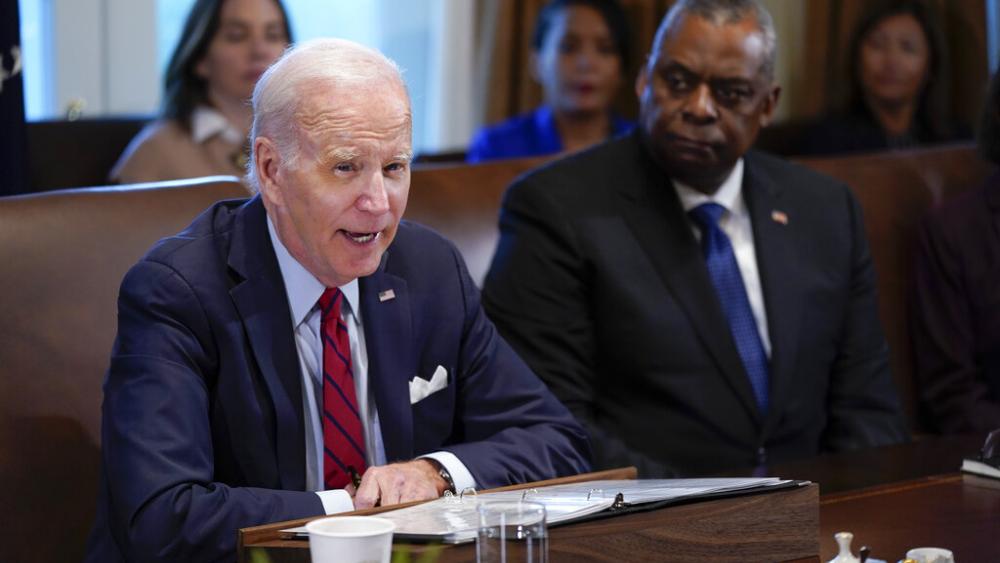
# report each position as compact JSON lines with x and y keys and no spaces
{"x":727,"y":48}
{"x":368,"y":109}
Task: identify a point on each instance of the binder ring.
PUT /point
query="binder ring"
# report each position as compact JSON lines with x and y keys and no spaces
{"x":469,"y":490}
{"x":595,"y":493}
{"x":525,"y":494}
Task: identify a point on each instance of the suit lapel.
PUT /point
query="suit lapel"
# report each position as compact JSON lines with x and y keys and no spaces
{"x":777,"y":264}
{"x":655,"y":215}
{"x":262,"y":304}
{"x":391,"y":362}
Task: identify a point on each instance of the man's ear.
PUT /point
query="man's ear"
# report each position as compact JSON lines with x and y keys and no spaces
{"x":770,"y":105}
{"x":267,"y":166}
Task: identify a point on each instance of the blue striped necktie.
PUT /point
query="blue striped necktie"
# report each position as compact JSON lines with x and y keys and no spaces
{"x":725,"y":274}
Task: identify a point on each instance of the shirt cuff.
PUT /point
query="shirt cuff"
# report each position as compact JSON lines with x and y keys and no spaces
{"x":459,"y":473}
{"x":336,"y":500}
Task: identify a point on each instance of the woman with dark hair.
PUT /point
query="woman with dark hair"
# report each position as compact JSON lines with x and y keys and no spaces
{"x":579,"y":55}
{"x":224,"y":48}
{"x":897,"y":85}
{"x":956,"y":309}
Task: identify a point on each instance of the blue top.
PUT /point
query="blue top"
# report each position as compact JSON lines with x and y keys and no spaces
{"x":530,"y":134}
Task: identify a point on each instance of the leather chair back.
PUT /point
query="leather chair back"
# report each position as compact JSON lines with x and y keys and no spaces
{"x":62,"y":258}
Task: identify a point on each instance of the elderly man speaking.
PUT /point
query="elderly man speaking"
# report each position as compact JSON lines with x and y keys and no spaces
{"x":305,"y":352}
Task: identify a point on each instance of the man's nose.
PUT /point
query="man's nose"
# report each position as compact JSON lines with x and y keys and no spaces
{"x":375,"y":198}
{"x":699,"y":107}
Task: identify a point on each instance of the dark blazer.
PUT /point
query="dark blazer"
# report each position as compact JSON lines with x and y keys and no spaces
{"x":956,"y":312}
{"x":203,"y":429}
{"x":599,"y":283}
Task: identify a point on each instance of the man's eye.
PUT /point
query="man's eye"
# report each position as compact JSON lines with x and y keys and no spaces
{"x":344,"y":167}
{"x":395,"y":167}
{"x":732,"y":94}
{"x":676,"y":81}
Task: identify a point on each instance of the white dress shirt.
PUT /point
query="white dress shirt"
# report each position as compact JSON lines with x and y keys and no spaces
{"x":207,"y":122}
{"x":304,"y":290}
{"x":735,"y":222}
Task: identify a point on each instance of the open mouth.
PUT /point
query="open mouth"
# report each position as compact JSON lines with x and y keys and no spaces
{"x":361,"y":238}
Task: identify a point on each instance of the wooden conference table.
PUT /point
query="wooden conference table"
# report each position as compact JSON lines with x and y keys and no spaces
{"x":900,"y":497}
{"x":891,"y":498}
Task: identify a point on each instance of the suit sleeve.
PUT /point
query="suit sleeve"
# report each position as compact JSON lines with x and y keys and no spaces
{"x":513,"y":429}
{"x":538,"y":294}
{"x":864,"y":408}
{"x":949,"y":378}
{"x":157,"y":437}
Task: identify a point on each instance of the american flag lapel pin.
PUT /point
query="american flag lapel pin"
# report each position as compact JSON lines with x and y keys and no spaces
{"x":386,"y":295}
{"x":779,"y":217}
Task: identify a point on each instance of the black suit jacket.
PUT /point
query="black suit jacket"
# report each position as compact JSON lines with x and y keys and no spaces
{"x":956,"y":312}
{"x":600,"y":285}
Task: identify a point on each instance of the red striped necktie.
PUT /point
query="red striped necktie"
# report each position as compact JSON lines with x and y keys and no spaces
{"x":343,"y":438}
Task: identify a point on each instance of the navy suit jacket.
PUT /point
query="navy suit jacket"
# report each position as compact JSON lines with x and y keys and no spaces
{"x":203,"y":429}
{"x":599,"y":283}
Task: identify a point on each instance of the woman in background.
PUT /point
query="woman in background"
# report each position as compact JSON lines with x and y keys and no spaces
{"x":579,"y":54}
{"x":224,"y":48}
{"x":897,"y":83}
{"x":956,"y":308}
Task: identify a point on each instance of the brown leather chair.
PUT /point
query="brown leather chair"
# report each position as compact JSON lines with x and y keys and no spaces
{"x":462,"y":202}
{"x":896,"y":190}
{"x":71,"y":154}
{"x":62,"y":257}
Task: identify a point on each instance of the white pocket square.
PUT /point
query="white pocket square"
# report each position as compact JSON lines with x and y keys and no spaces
{"x":420,"y":388}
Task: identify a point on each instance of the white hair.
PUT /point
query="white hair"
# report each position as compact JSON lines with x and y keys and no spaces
{"x":721,"y":12}
{"x":337,"y":62}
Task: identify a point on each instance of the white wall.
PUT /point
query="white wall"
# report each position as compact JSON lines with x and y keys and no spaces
{"x":109,"y":55}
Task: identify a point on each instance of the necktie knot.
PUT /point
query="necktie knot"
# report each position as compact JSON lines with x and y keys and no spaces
{"x":707,"y":215}
{"x":329,"y":302}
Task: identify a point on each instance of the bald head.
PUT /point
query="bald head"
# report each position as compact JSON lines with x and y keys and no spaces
{"x":332,"y":67}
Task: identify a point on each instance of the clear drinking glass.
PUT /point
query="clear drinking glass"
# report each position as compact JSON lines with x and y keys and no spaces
{"x":512,"y":532}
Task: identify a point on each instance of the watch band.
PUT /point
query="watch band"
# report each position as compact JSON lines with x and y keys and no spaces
{"x":443,"y":473}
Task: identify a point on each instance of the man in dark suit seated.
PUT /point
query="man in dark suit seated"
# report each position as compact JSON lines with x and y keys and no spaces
{"x":697,"y":306}
{"x":291,"y":342}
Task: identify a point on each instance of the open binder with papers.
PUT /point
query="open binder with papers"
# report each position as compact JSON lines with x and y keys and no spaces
{"x":455,"y":519}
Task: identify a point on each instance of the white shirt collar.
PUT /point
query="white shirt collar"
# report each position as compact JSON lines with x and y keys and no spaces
{"x":207,"y":122}
{"x":728,"y":194}
{"x":303,"y":289}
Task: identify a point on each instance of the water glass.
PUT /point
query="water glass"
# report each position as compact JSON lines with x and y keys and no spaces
{"x":512,"y":532}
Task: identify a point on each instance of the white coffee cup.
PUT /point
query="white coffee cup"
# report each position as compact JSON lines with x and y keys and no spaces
{"x":350,"y":539}
{"x":930,"y":555}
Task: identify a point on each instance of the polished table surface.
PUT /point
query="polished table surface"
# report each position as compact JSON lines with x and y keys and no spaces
{"x":958,"y":512}
{"x":899,"y":497}
{"x":892,"y":498}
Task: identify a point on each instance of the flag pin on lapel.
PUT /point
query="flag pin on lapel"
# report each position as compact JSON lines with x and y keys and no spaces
{"x":779,"y":217}
{"x":386,"y":295}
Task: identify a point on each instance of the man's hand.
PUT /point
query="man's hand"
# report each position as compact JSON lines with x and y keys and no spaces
{"x":399,"y":482}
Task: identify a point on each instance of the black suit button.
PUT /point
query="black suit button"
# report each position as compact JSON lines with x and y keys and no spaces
{"x":761,"y":456}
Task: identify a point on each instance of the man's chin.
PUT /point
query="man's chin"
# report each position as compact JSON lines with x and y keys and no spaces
{"x":701,"y":174}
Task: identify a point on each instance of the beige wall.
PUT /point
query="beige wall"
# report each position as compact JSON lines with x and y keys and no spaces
{"x":790,"y":25}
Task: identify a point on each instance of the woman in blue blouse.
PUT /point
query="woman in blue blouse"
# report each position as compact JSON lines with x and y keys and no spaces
{"x":579,"y":50}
